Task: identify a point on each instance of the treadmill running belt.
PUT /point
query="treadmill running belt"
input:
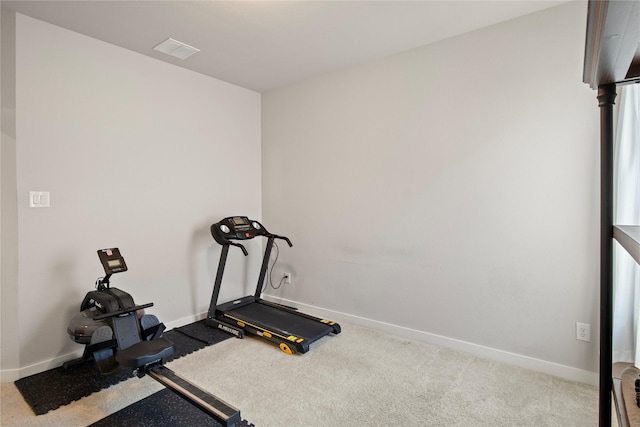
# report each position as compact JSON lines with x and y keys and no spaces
{"x":290,"y":323}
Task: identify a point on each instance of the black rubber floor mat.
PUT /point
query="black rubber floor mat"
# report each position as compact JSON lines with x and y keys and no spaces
{"x":183,"y":344}
{"x":201,"y":332}
{"x":49,"y":390}
{"x":163,"y":408}
{"x":57,"y":387}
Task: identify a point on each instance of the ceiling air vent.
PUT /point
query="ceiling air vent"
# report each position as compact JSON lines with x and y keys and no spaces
{"x":175,"y":48}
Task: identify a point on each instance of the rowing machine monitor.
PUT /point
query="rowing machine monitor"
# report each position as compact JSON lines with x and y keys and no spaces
{"x":112,"y":262}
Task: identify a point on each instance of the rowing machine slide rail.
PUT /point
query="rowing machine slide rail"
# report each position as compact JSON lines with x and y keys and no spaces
{"x":147,"y":357}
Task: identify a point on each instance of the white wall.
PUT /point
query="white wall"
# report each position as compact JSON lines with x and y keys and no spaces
{"x":451,"y":190}
{"x":137,"y":154}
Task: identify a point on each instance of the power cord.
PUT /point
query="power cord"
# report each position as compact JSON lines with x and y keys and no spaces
{"x":277,"y":253}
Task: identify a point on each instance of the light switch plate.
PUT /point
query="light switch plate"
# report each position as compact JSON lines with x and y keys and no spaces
{"x":39,"y":199}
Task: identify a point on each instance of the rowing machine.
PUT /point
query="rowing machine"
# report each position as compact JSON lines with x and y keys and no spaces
{"x":116,"y":332}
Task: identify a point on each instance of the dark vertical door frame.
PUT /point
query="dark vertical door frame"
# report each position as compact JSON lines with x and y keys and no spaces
{"x":606,"y":100}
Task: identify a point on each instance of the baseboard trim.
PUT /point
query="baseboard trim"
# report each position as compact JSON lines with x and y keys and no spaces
{"x":538,"y":365}
{"x":11,"y":375}
{"x":185,"y":320}
{"x":7,"y":375}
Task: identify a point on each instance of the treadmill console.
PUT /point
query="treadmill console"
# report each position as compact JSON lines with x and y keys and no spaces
{"x":237,"y":228}
{"x":112,"y":260}
{"x":241,"y":228}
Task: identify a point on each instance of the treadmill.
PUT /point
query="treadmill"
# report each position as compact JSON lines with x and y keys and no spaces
{"x":292,"y":330}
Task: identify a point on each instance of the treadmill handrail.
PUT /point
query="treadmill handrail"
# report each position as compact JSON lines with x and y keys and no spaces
{"x":244,"y":250}
{"x":275,"y":236}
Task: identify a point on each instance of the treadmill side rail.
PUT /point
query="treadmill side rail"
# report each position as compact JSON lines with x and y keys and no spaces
{"x":335,"y":326}
{"x":295,"y":344}
{"x":224,"y":326}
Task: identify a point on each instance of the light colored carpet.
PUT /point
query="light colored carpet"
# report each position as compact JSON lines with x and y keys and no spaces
{"x":358,"y":378}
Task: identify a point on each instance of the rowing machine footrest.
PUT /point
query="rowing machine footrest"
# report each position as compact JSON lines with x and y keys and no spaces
{"x":145,"y":352}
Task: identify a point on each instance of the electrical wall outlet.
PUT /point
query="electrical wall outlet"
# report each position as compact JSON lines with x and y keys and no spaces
{"x":287,"y":277}
{"x":583,"y":332}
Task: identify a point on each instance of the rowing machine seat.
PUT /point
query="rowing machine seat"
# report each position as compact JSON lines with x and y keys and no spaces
{"x":145,"y":352}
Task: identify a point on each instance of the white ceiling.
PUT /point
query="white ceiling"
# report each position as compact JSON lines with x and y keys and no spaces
{"x":263,"y":45}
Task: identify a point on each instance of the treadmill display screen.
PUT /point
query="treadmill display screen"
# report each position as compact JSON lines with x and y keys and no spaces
{"x":114,"y":263}
{"x":239,"y":221}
